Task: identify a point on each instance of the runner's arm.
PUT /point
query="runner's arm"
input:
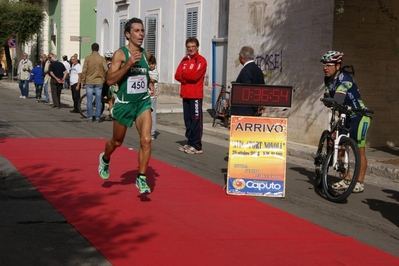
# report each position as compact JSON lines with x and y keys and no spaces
{"x":119,"y":67}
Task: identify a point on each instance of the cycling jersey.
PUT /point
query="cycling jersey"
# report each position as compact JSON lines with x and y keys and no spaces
{"x":344,"y":90}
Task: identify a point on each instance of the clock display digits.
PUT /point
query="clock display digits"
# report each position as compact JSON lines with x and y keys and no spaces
{"x":257,"y":95}
{"x":265,"y":95}
{"x":285,"y":94}
{"x":246,"y":94}
{"x":276,"y":96}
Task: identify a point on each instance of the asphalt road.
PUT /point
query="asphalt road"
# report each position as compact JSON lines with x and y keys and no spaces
{"x":33,"y":233}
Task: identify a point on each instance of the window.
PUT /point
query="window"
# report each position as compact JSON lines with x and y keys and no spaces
{"x":150,"y":41}
{"x":192,"y":22}
{"x":122,"y":38}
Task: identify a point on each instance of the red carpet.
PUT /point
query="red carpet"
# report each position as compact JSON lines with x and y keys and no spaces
{"x":185,"y":221}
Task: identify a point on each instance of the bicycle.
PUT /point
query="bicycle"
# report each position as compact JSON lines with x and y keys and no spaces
{"x":337,"y":155}
{"x":82,"y":106}
{"x":222,"y":107}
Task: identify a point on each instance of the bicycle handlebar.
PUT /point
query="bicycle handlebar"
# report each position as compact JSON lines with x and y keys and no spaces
{"x":344,"y":108}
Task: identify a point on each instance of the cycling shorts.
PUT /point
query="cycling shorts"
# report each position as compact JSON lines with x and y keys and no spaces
{"x":127,"y":112}
{"x":359,"y":128}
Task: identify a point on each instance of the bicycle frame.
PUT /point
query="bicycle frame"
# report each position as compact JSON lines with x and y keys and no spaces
{"x":222,"y":106}
{"x":337,"y":158}
{"x":335,"y":128}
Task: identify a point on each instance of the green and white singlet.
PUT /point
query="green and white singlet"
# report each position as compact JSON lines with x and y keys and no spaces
{"x":133,"y":87}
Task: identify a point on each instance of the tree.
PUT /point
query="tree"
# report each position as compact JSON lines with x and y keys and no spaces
{"x":19,"y":20}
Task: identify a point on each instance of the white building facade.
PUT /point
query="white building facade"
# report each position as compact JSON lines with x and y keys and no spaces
{"x":168,"y":24}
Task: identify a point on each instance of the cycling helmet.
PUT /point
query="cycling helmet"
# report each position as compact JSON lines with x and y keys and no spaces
{"x":332,"y":57}
{"x":108,"y":54}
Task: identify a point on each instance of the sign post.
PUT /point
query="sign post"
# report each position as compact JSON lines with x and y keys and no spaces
{"x":258,"y":145}
{"x":12,"y":44}
{"x":79,"y":39}
{"x":257,"y":156}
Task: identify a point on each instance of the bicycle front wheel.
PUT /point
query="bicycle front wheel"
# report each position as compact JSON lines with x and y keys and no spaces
{"x":83,"y":105}
{"x":320,"y":157}
{"x":340,"y":179}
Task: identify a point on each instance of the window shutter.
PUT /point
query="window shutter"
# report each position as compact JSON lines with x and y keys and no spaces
{"x":150,"y":41}
{"x":122,"y":38}
{"x":192,"y":22}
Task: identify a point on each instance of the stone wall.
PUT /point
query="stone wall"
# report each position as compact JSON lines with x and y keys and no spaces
{"x":289,"y":37}
{"x":368,"y":33}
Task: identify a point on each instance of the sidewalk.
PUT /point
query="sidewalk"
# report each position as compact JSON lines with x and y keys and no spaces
{"x":382,"y":162}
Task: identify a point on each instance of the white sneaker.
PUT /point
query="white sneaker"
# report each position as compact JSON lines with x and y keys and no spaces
{"x":343,"y":184}
{"x":23,"y":97}
{"x":358,"y":188}
{"x":20,"y":96}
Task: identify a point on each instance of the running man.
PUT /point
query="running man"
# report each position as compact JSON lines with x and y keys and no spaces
{"x":129,"y":68}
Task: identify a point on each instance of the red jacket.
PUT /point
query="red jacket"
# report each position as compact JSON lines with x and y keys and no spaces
{"x":191,"y":74}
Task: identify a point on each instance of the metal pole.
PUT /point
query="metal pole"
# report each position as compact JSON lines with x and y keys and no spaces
{"x":80,"y":47}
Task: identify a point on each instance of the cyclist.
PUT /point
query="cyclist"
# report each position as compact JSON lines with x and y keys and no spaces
{"x":340,"y":86}
{"x":108,"y":91}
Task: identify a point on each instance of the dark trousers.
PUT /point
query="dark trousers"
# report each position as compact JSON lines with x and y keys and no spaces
{"x":193,"y":120}
{"x":56,"y":92}
{"x":75,"y":96}
{"x":39,"y":88}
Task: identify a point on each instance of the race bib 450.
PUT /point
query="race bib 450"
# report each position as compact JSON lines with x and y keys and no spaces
{"x":137,"y":84}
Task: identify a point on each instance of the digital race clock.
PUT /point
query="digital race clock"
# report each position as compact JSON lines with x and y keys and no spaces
{"x":260,"y":95}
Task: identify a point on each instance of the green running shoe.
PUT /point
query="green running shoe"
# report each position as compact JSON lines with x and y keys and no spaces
{"x":103,"y":168}
{"x":141,"y":184}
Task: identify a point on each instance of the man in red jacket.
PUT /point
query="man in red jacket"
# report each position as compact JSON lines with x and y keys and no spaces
{"x":191,"y":74}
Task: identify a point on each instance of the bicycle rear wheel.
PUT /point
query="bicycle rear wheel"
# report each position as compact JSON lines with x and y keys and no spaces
{"x":218,"y":110}
{"x":320,"y":157}
{"x":346,"y":172}
{"x":83,"y":105}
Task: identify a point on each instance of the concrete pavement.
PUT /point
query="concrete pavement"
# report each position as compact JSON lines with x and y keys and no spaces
{"x":382,"y":162}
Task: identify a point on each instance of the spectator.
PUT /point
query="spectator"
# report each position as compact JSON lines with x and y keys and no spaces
{"x":108,"y":91}
{"x":67,"y":65}
{"x":75,"y":78}
{"x":46,"y":61}
{"x":76,"y":55}
{"x":24,"y":68}
{"x":58,"y":74}
{"x":93,"y":77}
{"x":191,"y":74}
{"x":2,"y":72}
{"x":38,"y":79}
{"x":249,"y":74}
{"x":154,"y":77}
{"x":129,"y":69}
